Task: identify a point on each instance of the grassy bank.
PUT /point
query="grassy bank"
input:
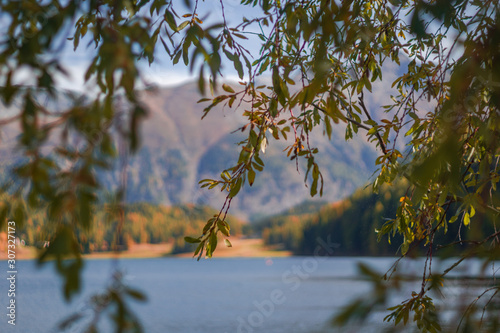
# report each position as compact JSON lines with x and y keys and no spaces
{"x":242,"y":247}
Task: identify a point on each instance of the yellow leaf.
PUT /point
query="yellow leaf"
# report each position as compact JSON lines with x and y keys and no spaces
{"x":227,"y":88}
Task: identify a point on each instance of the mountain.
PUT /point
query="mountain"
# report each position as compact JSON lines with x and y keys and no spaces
{"x":178,"y":149}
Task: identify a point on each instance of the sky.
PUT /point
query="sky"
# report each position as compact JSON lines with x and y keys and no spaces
{"x":161,"y":71}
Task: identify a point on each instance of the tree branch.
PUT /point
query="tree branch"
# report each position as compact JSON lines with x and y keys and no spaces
{"x":377,"y":134}
{"x":6,"y":121}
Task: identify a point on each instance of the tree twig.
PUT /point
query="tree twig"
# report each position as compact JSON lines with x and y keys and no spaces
{"x":377,"y":134}
{"x":6,"y":121}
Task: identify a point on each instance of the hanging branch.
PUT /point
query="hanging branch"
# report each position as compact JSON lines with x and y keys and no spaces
{"x":377,"y":134}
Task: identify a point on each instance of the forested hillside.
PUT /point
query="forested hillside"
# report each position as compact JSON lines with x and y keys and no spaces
{"x":352,"y":225}
{"x":142,"y":223}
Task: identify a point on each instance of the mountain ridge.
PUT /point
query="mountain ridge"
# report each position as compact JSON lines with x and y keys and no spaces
{"x":178,"y":149}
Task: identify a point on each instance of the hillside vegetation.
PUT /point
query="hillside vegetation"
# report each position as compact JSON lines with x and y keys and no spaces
{"x":352,"y":224}
{"x":142,"y":223}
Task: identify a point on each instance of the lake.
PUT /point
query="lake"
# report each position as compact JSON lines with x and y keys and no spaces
{"x":294,"y":294}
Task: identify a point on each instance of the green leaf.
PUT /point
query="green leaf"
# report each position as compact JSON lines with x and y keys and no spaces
{"x":135,"y":294}
{"x":201,"y":82}
{"x":170,"y":19}
{"x":223,"y":227}
{"x":185,"y":57}
{"x":182,"y":25}
{"x":239,"y":67}
{"x":417,"y":26}
{"x":199,"y":250}
{"x":235,"y":188}
{"x":191,"y":240}
{"x":212,"y":244}
{"x":273,"y":107}
{"x":251,"y":176}
{"x":177,"y":57}
{"x":258,"y":159}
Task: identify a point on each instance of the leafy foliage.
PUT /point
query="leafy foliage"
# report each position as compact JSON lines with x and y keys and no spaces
{"x":324,"y":58}
{"x":356,"y":224}
{"x":439,"y":129}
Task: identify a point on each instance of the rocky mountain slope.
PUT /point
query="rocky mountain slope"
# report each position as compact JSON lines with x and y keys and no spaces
{"x":178,"y":149}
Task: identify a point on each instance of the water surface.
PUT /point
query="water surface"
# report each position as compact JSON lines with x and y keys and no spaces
{"x":297,"y":294}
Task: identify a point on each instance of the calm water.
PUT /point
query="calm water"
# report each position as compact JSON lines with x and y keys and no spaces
{"x":218,"y":295}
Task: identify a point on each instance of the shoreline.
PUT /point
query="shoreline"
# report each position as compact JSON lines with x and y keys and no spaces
{"x":241,"y":248}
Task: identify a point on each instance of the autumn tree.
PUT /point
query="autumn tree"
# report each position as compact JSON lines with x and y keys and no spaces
{"x":318,"y":64}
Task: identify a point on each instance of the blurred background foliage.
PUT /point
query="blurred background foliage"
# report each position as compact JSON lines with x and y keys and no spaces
{"x":320,"y":62}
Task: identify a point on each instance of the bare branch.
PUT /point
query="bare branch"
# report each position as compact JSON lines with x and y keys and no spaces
{"x":6,"y":121}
